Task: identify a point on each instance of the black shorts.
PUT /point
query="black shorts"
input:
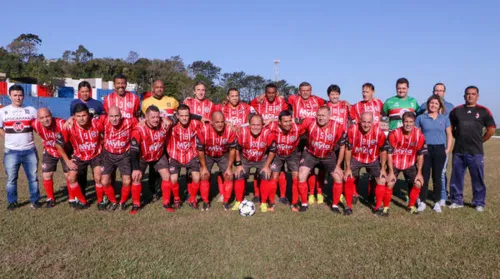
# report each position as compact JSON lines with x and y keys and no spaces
{"x":111,"y":161}
{"x":191,"y":166}
{"x":292,"y":162}
{"x":247,"y":165}
{"x":162,"y":163}
{"x":410,"y":174}
{"x":222,"y":162}
{"x":49,"y":163}
{"x":373,"y":168}
{"x":93,"y":163}
{"x":329,"y":162}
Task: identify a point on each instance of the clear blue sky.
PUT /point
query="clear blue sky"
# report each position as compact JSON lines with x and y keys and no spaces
{"x":323,"y":42}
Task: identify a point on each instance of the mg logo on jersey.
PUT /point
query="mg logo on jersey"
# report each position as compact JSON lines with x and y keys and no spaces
{"x":403,"y":151}
{"x":18,"y":127}
{"x":184,"y":145}
{"x":306,"y":113}
{"x":115,"y":143}
{"x":88,"y":146}
{"x":155,"y":146}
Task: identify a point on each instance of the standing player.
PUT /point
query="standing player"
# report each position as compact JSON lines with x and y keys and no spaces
{"x":166,"y":104}
{"x":339,"y":110}
{"x":286,"y":135}
{"x":368,"y":104}
{"x":116,"y":154}
{"x":323,"y":136}
{"x":199,"y":105}
{"x":255,"y":149}
{"x":85,"y":97}
{"x":216,"y":144}
{"x":84,"y":136}
{"x":366,"y":142}
{"x":181,"y":148}
{"x":406,"y":155}
{"x":128,"y":102}
{"x":47,"y":128}
{"x":396,"y":106}
{"x":147,"y":148}
{"x":236,"y":112}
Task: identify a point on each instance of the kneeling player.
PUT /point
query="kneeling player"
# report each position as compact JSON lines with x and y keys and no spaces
{"x":216,"y":143}
{"x":257,"y":150}
{"x":84,"y":135}
{"x":365,"y":143}
{"x":147,"y":148}
{"x":406,"y":154}
{"x":286,"y":134}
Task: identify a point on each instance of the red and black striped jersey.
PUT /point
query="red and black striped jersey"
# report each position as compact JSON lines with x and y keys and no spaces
{"x":255,"y":148}
{"x":129,"y":104}
{"x":237,"y":116}
{"x":215,"y":144}
{"x":86,"y":142}
{"x":49,"y":135}
{"x":149,"y":141}
{"x":365,"y":147}
{"x":374,"y":106}
{"x":322,"y":140}
{"x":203,"y":108}
{"x":303,"y":108}
{"x":181,"y":140}
{"x":117,"y":139}
{"x":269,"y":110}
{"x":339,"y":113}
{"x":286,"y":142}
{"x":405,"y":148}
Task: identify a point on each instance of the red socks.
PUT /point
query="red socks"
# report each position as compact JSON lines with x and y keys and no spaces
{"x":256,"y":192}
{"x":295,"y":191}
{"x":77,"y":192}
{"x":125,"y":194}
{"x":264,"y":191}
{"x":49,"y":189}
{"x":175,"y":191}
{"x":205,"y":190}
{"x":303,"y":192}
{"x":414,"y":193}
{"x":136,"y":194}
{"x":239,"y":189}
{"x":166,"y":186}
{"x":71,"y":196}
{"x":221,"y":185}
{"x":387,"y":197}
{"x":311,"y":181}
{"x":228,"y":190}
{"x":349,"y":191}
{"x":282,"y":183}
{"x":110,"y":193}
{"x":337,"y":192}
{"x":272,"y":187}
{"x":379,"y":196}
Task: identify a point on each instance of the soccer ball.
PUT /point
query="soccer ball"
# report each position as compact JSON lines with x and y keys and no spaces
{"x":246,"y":208}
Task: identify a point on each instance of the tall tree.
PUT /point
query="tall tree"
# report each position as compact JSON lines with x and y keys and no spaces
{"x":132,"y":57}
{"x":206,"y":69}
{"x":26,"y":46}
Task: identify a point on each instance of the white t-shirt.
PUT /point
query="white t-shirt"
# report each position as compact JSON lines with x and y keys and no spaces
{"x":16,"y":122}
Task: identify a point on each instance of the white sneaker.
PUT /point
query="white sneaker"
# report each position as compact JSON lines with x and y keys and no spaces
{"x":455,"y":206}
{"x":437,"y":208}
{"x":442,"y":202}
{"x":421,"y":207}
{"x":479,"y":208}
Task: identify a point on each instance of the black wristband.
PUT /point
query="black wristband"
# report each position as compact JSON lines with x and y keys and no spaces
{"x":237,"y":164}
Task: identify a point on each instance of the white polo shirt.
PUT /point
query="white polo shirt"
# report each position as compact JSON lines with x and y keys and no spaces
{"x":16,"y":122}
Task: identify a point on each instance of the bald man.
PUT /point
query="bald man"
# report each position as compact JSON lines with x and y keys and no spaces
{"x":166,"y":104}
{"x":48,"y":127}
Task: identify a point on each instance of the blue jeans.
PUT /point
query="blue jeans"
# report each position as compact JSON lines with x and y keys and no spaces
{"x":444,"y":180}
{"x":475,"y":164}
{"x":12,"y":160}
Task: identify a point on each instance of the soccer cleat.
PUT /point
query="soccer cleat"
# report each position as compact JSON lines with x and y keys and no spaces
{"x":311,"y":199}
{"x":320,"y":199}
{"x":168,"y":207}
{"x":413,"y":210}
{"x":135,"y":209}
{"x":123,"y":206}
{"x":236,"y":206}
{"x":101,"y":206}
{"x":12,"y":206}
{"x":385,"y":212}
{"x":406,"y":199}
{"x":480,"y":208}
{"x":193,"y":205}
{"x":347,"y":211}
{"x":177,"y":204}
{"x":80,"y":206}
{"x":335,"y":209}
{"x":36,"y":205}
{"x":263,"y":207}
{"x":421,"y":207}
{"x":270,"y":208}
{"x":379,"y":212}
{"x":437,"y":208}
{"x":342,"y":198}
{"x":303,"y":208}
{"x":113,"y":206}
{"x":205,"y":207}
{"x":442,"y":202}
{"x":355,"y":199}
{"x":50,"y":203}
{"x":455,"y":206}
{"x":256,"y":200}
{"x":294,"y":208}
{"x":226,"y":206}
{"x":284,"y":200}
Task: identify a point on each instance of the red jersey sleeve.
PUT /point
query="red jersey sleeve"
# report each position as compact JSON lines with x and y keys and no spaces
{"x":321,"y":102}
{"x":292,"y":99}
{"x":421,"y":146}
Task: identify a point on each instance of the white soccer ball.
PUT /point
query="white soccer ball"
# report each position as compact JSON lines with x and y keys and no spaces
{"x":246,"y":208}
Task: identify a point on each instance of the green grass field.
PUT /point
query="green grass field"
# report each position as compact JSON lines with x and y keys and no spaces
{"x":60,"y":242}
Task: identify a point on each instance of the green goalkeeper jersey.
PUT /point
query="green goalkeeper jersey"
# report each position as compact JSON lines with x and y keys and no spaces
{"x":395,"y":107}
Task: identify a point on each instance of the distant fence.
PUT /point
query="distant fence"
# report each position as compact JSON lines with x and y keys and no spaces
{"x":58,"y":106}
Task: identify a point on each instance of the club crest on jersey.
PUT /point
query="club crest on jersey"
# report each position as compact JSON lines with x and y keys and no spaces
{"x":477,"y":115}
{"x":293,"y":138}
{"x":329,"y":137}
{"x":27,"y":111}
{"x":129,"y":105}
{"x":93,"y":134}
{"x":207,"y":110}
{"x":18,"y":127}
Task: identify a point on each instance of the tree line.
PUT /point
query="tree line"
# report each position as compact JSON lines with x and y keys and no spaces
{"x":20,"y":60}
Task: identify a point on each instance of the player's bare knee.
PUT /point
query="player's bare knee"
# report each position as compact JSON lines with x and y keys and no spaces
{"x":47,"y":175}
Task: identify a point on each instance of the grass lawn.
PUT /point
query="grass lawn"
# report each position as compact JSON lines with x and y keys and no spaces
{"x":61,"y":242}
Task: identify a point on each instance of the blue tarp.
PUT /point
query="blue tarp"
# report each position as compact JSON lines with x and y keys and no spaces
{"x":58,"y":106}
{"x":66,"y":92}
{"x":26,"y":87}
